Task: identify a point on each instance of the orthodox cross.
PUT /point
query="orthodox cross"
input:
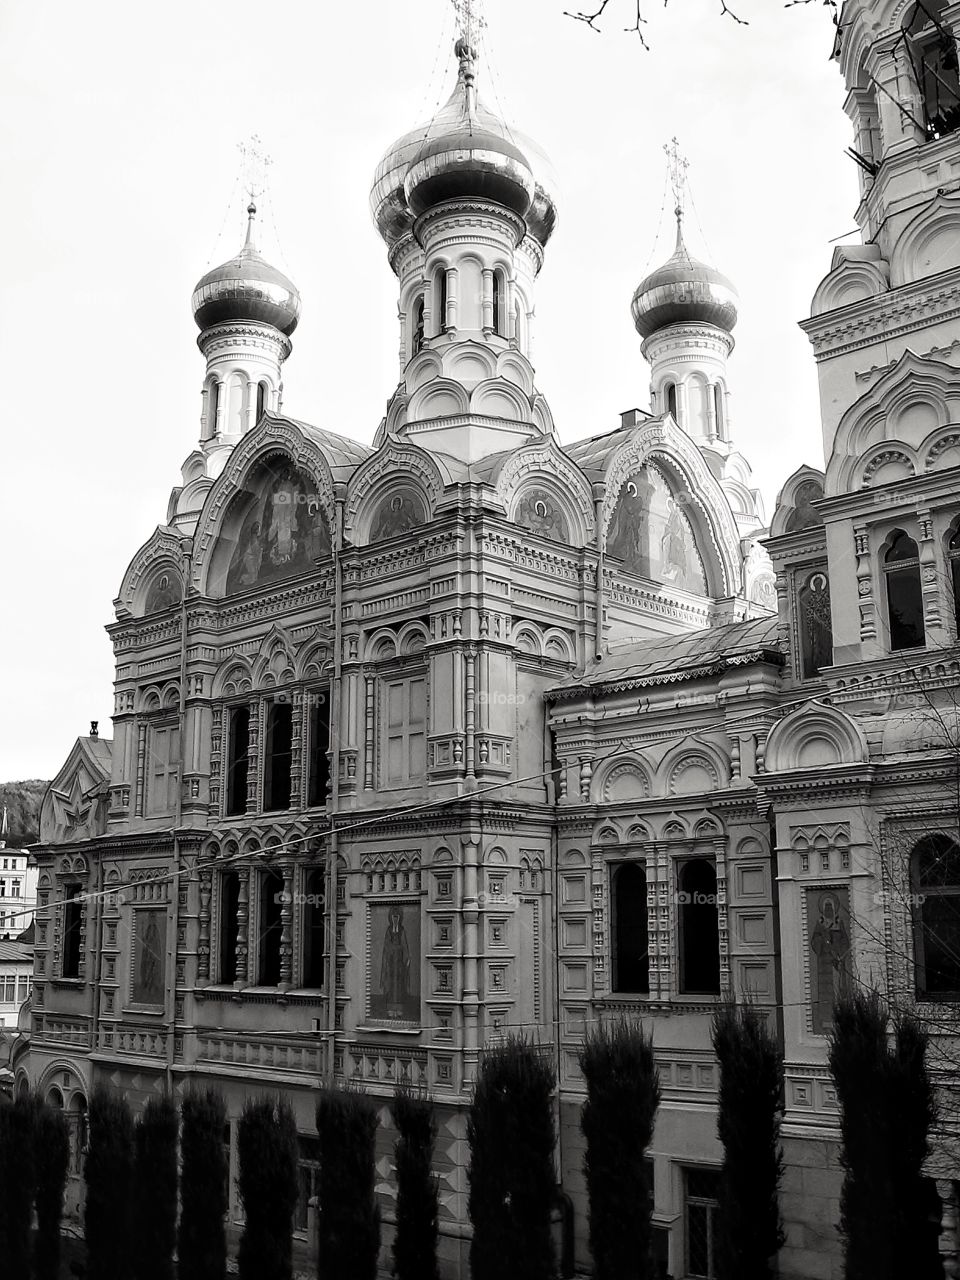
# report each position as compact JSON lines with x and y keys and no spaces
{"x":254,"y":164}
{"x":677,"y":166}
{"x":470,"y":20}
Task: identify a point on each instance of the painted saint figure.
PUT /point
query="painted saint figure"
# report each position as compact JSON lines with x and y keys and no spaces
{"x":830,"y":965}
{"x":395,"y":965}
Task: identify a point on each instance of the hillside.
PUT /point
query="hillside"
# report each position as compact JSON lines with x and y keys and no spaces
{"x":23,"y":810}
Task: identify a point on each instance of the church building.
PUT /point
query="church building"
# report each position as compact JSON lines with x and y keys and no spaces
{"x":469,"y":732}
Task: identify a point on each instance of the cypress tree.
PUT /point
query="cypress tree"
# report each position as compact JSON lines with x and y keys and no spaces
{"x":109,"y":1178}
{"x":155,"y":1191}
{"x":748,"y":1126}
{"x":349,"y":1217}
{"x":623,"y":1093}
{"x":16,"y":1184}
{"x":415,"y":1241}
{"x":201,"y":1239}
{"x":267,"y":1148}
{"x":52,"y":1158}
{"x":510,"y":1130}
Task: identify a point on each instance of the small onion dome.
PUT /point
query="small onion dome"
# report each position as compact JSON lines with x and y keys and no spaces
{"x":247,"y":288}
{"x":469,"y":154}
{"x":684,"y":291}
{"x":543,"y":214}
{"x":388,"y":204}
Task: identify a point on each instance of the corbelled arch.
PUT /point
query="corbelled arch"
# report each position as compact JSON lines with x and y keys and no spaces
{"x":543,"y":463}
{"x":396,"y":463}
{"x":814,"y":736}
{"x":162,"y":552}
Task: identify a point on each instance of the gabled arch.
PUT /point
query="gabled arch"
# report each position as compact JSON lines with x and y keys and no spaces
{"x":543,"y":463}
{"x":272,"y":437}
{"x":930,"y":243}
{"x":162,"y":553}
{"x":233,"y":677}
{"x":380,"y":646}
{"x":815,"y":736}
{"x":857,"y":272}
{"x":396,"y":463}
{"x":440,"y":398}
{"x":793,"y":509}
{"x":276,"y":660}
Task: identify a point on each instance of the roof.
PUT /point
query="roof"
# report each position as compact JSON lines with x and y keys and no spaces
{"x":15,"y":953}
{"x":681,"y":657}
{"x":341,"y":452}
{"x":593,"y":454}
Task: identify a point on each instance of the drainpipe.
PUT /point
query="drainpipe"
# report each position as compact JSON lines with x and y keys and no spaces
{"x":334,"y":802}
{"x":171,"y":1010}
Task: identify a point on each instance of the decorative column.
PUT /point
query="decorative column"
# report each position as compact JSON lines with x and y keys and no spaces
{"x":487,"y":300}
{"x":203,"y":944}
{"x":297,"y":754}
{"x":723,"y":930}
{"x":586,"y":773}
{"x":286,"y":925}
{"x":251,"y":410}
{"x":141,"y":767}
{"x":450,"y":319}
{"x":931,"y":574}
{"x":243,"y":924}
{"x":253,"y":753}
{"x":216,"y":767}
{"x":510,"y":328}
{"x":470,"y":721}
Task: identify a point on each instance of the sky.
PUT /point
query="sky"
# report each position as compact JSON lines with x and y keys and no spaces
{"x":119,"y":134}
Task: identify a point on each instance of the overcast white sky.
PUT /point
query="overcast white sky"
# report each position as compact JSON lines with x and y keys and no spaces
{"x":119,"y":127}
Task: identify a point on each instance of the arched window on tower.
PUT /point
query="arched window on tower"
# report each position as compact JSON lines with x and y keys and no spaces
{"x":441,"y":295}
{"x":901,"y":569}
{"x":935,"y":881}
{"x":953,"y":560}
{"x":213,"y":408}
{"x":932,"y":56}
{"x":263,"y":396}
{"x":631,"y":964}
{"x":699,"y":928}
{"x":417,"y":341}
{"x":498,"y":292}
{"x":718,"y":410}
{"x":670,"y":397}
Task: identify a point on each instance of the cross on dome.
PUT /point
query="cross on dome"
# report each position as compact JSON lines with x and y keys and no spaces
{"x":470,"y":22}
{"x":677,"y":166}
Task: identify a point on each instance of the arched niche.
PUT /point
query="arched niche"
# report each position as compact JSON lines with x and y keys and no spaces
{"x":651,"y":533}
{"x":274,"y":529}
{"x":399,"y":511}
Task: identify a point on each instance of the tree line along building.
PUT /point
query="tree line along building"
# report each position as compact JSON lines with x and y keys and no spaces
{"x":469,"y":732}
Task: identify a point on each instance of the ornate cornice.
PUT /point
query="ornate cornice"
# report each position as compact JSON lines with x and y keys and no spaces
{"x":886,"y":315}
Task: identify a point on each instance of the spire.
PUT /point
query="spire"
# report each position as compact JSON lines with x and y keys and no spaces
{"x":677,"y":166}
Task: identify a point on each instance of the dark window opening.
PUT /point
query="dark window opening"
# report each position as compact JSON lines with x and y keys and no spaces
{"x":418,"y":326}
{"x":935,"y":872}
{"x":497,"y":301}
{"x":318,"y":777}
{"x":953,"y":555}
{"x":702,"y":1222}
{"x":901,"y":567}
{"x":816,"y":626}
{"x":238,"y":762}
{"x":631,"y":963}
{"x":213,"y":412}
{"x":262,"y":392}
{"x":699,"y":928}
{"x":672,"y":401}
{"x":278,"y":758}
{"x":72,"y":929}
{"x":229,"y":925}
{"x":932,"y":52}
{"x":441,"y":322}
{"x":308,"y":1175}
{"x":314,"y":930}
{"x":271,"y":927}
{"x":718,"y":410}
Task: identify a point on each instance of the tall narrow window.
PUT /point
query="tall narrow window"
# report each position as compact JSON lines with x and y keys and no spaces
{"x":935,"y":874}
{"x":497,"y":301}
{"x":953,"y":557}
{"x":719,"y":411}
{"x":238,"y":763}
{"x":163,"y":769}
{"x":671,"y":390}
{"x":278,"y":759}
{"x":314,"y":936}
{"x":271,"y":928}
{"x":702,"y":1222}
{"x":901,"y":567}
{"x":441,"y":320}
{"x":262,"y":394}
{"x":213,"y":408}
{"x":229,"y":911}
{"x":933,"y":55}
{"x":631,"y":964}
{"x":72,"y":930}
{"x":405,"y":722}
{"x":816,"y":627}
{"x":699,"y":928}
{"x":318,"y":776}
{"x":418,"y":335}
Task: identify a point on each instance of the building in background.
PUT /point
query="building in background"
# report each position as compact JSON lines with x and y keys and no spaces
{"x":470,"y":732}
{"x":18,"y":887}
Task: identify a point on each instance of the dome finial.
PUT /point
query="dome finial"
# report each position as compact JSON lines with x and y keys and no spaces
{"x":249,"y":245}
{"x":470,"y":24}
{"x":677,"y":166}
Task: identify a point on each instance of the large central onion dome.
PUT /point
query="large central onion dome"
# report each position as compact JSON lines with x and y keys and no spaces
{"x":247,"y":288}
{"x":466,"y":152}
{"x":684,"y":291}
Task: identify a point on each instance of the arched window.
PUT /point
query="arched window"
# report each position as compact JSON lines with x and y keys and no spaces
{"x":935,"y":877}
{"x":816,"y":628}
{"x":497,"y":301}
{"x":229,"y":926}
{"x":699,"y":928}
{"x":718,"y":411}
{"x":671,"y":398}
{"x":263,"y":392}
{"x":313,"y":930}
{"x":441,"y":293}
{"x":932,"y":52}
{"x":270,"y":929}
{"x":631,"y":964}
{"x":417,"y":343}
{"x":213,"y":407}
{"x":901,"y":567}
{"x":953,"y":558}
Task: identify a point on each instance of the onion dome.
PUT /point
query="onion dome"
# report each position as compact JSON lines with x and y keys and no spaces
{"x":684,"y":291}
{"x":465,"y":152}
{"x":247,"y":288}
